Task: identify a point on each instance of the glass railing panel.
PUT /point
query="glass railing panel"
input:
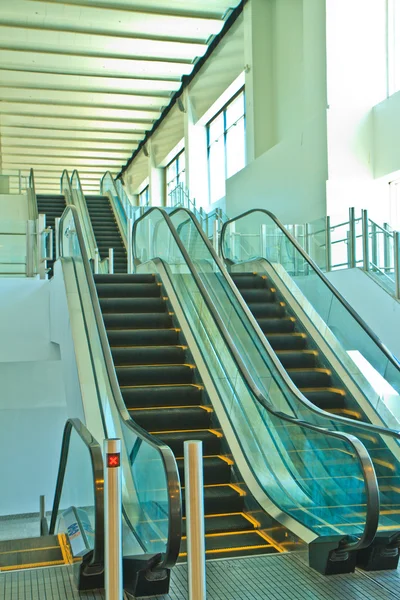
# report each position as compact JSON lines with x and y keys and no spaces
{"x":299,"y":469}
{"x":316,"y":242}
{"x":140,"y":504}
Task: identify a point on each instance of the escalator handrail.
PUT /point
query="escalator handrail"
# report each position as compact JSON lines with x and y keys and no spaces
{"x":88,"y":222}
{"x":165,"y":452}
{"x":96,"y":458}
{"x":370,"y":482}
{"x":345,"y":421}
{"x":390,"y":357}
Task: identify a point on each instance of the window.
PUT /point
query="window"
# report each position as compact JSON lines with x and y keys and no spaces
{"x":175,"y":173}
{"x":144,"y":197}
{"x":226,"y":145}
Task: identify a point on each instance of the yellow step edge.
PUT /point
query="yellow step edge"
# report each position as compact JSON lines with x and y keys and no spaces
{"x":334,"y":390}
{"x":291,"y":333}
{"x":54,"y":563}
{"x":226,"y":534}
{"x":314,"y":352}
{"x":224,"y":458}
{"x":234,"y":549}
{"x":153,"y":385}
{"x":157,"y":365}
{"x":208,"y":409}
{"x":310,"y":370}
{"x":213,"y":431}
{"x":158,"y":347}
{"x":344,"y":411}
{"x":28,"y":550}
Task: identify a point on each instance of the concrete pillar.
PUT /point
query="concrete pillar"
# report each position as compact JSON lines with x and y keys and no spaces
{"x":196,"y":169}
{"x":156,"y":179}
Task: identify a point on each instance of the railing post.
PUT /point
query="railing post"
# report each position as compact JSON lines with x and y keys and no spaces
{"x":263,"y":241}
{"x":111,"y":260}
{"x":30,"y":258}
{"x":216,"y":236}
{"x":396,"y":245}
{"x":42,"y":264}
{"x":194,"y":501}
{"x":352,"y":239}
{"x":130,"y":246}
{"x":374,"y":244}
{"x":328,"y":247}
{"x":113,"y":519}
{"x":386,"y":249}
{"x":365,"y":239}
{"x":96,"y":261}
{"x":57,"y":236}
{"x":307,"y":245}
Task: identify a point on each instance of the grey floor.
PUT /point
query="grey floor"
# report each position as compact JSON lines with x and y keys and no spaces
{"x":278,"y":577}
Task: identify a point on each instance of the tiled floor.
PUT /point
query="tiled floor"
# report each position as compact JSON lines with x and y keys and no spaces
{"x":278,"y":577}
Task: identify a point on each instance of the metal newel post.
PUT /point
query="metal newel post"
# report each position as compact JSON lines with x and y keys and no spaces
{"x":328,"y":247}
{"x":96,"y":261}
{"x":216,"y":236}
{"x":113,"y":519}
{"x":57,"y":236}
{"x":386,"y":248}
{"x":111,"y":260}
{"x":130,"y":245}
{"x":352,"y":238}
{"x":396,"y":245}
{"x":194,"y":502}
{"x":365,"y":239}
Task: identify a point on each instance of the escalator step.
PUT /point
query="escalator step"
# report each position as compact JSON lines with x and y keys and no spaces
{"x":258,"y":295}
{"x":143,"y":337}
{"x":266,"y":310}
{"x":127,"y":290}
{"x":248,"y":281}
{"x":137,"y":321}
{"x":299,"y":359}
{"x":308,"y":378}
{"x":132,"y":305}
{"x":24,"y":553}
{"x":284,"y":325}
{"x":124,"y":278}
{"x":224,"y":523}
{"x":325,"y":398}
{"x":184,"y":417}
{"x":162,"y":395}
{"x":149,"y":355}
{"x":287,"y":341}
{"x":211,"y":445}
{"x":216,"y":470}
{"x":219,"y":499}
{"x":231,"y":543}
{"x":154,"y":374}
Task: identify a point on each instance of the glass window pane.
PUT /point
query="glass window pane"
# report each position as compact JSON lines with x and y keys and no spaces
{"x":216,"y":128}
{"x":217,"y":170}
{"x":235,"y":148}
{"x":235,"y":110}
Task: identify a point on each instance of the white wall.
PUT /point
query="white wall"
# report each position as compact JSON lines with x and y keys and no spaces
{"x":387,"y":136}
{"x":32,"y":398}
{"x":378,"y":308}
{"x":14,"y":206}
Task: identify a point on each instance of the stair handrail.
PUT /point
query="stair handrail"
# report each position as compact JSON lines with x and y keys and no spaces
{"x":96,"y":458}
{"x":166,"y":454}
{"x":79,"y":200}
{"x":363,"y":457}
{"x":390,"y":357}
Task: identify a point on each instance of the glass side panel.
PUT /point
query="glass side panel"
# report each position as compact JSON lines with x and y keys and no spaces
{"x":140,"y":505}
{"x":311,"y":476}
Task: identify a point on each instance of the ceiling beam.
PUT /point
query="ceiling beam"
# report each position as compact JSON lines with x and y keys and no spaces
{"x":69,"y":134}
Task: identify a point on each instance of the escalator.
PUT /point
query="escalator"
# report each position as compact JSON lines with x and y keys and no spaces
{"x":275,"y":302}
{"x":53,"y":207}
{"x":165,"y":395}
{"x":106,"y":231}
{"x":32,"y":553}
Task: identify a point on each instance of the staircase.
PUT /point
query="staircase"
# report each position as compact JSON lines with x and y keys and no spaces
{"x":53,"y":207}
{"x":106,"y":231}
{"x":164,"y":394}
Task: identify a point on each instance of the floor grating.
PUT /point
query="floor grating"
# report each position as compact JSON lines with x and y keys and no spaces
{"x":277,"y":577}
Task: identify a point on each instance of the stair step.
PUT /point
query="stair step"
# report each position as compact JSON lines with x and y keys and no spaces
{"x":211,"y":445}
{"x":128,"y":290}
{"x":132,"y":305}
{"x":215,"y":470}
{"x":171,"y":418}
{"x":154,"y":374}
{"x":149,"y":355}
{"x":162,"y":395}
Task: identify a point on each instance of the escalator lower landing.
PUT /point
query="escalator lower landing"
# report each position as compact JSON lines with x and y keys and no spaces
{"x":164,"y":395}
{"x":29,"y":553}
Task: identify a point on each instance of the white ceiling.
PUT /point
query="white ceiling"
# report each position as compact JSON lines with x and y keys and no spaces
{"x":81,"y":82}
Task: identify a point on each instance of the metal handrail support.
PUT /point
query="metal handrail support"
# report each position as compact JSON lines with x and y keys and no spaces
{"x":365,"y":239}
{"x":386,"y":248}
{"x":352,"y":238}
{"x":396,"y":246}
{"x":328,"y":245}
{"x":194,"y":502}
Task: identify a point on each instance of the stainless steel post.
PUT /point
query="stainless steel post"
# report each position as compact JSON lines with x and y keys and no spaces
{"x":57,"y":236}
{"x":96,"y":261}
{"x":216,"y":236}
{"x":396,"y":245}
{"x":113,"y":519}
{"x":41,"y":250}
{"x":111,"y":260}
{"x":328,"y":246}
{"x":30,"y":258}
{"x":365,"y":239}
{"x":263,"y":241}
{"x":194,"y":501}
{"x":374,"y":244}
{"x":130,"y":245}
{"x":307,"y":244}
{"x":352,"y":238}
{"x":386,"y":248}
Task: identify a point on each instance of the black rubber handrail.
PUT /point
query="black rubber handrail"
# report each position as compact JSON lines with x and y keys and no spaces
{"x":253,"y":325}
{"x":367,"y":467}
{"x":390,"y":357}
{"x":96,"y":459}
{"x":165,"y":453}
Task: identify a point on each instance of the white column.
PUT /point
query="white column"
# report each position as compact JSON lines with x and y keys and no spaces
{"x":156,"y":180}
{"x":196,"y":169}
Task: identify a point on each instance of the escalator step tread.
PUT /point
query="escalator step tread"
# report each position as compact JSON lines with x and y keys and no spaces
{"x":298,"y":359}
{"x":224,"y":523}
{"x":241,"y":541}
{"x":163,"y":395}
{"x":154,"y":374}
{"x":325,"y":398}
{"x":249,"y":281}
{"x":258,"y":295}
{"x":308,"y":378}
{"x":44,"y":541}
{"x":266,"y":309}
{"x":149,"y":355}
{"x":176,"y":439}
{"x":287,"y":341}
{"x":283,"y":325}
{"x":137,"y":321}
{"x":143,"y":337}
{"x":132,"y":305}
{"x":121,"y":290}
{"x":185,"y":417}
{"x":216,"y":470}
